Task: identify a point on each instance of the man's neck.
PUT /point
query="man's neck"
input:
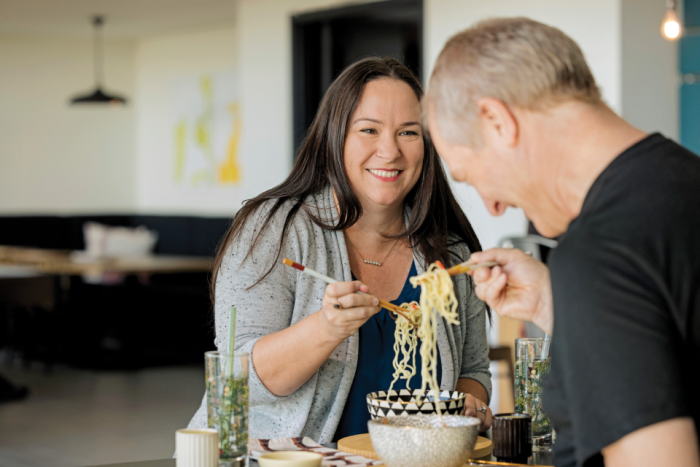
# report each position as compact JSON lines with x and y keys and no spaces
{"x":577,"y":142}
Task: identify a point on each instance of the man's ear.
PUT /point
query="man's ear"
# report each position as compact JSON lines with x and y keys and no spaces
{"x":497,"y":122}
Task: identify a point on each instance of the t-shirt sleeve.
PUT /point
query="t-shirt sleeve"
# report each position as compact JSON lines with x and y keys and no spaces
{"x":617,"y":341}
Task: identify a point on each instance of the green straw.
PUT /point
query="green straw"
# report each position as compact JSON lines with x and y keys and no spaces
{"x":231,"y":337}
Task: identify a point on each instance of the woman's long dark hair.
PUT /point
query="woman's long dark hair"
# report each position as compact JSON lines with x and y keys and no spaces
{"x":436,"y":220}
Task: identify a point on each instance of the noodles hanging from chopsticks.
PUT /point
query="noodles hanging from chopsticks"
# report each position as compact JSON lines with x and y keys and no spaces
{"x":437,"y":300}
{"x":405,"y":343}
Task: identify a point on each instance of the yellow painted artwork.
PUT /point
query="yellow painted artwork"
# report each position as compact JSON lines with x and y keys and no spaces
{"x":206,"y":140}
{"x":228,"y":171}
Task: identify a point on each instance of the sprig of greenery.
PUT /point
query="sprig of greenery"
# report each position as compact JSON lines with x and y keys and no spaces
{"x":528,"y":392}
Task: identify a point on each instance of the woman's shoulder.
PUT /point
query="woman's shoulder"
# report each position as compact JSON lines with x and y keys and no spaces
{"x":459,"y":250}
{"x":273,"y":214}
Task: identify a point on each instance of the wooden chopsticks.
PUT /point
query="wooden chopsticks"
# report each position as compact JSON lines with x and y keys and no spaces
{"x":389,"y":306}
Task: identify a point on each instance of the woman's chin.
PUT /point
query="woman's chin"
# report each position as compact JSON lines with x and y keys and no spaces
{"x":386,"y":201}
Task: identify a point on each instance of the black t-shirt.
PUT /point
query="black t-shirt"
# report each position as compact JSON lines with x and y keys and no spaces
{"x":626,"y":289}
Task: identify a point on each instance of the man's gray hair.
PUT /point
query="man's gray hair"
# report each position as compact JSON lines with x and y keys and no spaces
{"x":518,"y":61}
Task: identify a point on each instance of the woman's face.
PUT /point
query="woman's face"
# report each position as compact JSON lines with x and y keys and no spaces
{"x":384,"y":144}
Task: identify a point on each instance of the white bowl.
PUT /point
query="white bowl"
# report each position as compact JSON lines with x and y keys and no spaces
{"x":423,"y":441}
{"x":290,"y":459}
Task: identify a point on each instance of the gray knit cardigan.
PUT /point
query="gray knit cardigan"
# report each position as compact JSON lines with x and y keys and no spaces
{"x":287,"y":296}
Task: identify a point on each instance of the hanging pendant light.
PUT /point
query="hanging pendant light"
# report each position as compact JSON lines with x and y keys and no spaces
{"x":671,"y":26}
{"x":98,"y":96}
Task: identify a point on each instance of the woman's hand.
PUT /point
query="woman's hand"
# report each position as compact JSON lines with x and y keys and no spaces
{"x":518,"y":288}
{"x":471,"y":404}
{"x":339,"y":323}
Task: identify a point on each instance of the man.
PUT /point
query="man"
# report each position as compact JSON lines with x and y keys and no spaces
{"x":514,"y":111}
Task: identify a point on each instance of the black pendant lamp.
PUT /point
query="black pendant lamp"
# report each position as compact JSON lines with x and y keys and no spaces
{"x":98,"y":96}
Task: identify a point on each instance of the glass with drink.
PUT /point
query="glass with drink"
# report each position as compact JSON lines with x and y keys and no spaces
{"x":532,"y":363}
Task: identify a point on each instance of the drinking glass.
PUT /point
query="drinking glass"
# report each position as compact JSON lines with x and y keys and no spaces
{"x":227,"y":404}
{"x":532,"y":361}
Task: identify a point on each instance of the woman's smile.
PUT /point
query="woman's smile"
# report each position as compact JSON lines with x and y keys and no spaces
{"x":384,"y":144}
{"x":386,"y":175}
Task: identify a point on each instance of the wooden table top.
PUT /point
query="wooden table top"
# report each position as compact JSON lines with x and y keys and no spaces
{"x":253,"y":463}
{"x":61,"y":262}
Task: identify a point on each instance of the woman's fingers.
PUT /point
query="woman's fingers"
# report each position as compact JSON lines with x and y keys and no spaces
{"x":344,"y":288}
{"x":471,"y":404}
{"x":357,"y":300}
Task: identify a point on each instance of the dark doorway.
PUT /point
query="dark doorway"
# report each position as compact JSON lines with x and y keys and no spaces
{"x":325,"y":42}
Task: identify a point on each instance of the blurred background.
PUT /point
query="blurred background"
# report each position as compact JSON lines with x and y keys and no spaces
{"x":132,"y":130}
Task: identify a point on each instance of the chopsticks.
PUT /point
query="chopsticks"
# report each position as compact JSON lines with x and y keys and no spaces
{"x":389,"y":306}
{"x":469,"y":266}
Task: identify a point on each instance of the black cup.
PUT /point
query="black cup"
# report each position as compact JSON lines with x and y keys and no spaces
{"x":512,"y":437}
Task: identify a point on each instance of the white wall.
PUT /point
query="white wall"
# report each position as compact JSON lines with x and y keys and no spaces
{"x":160,"y":63}
{"x":649,"y":69}
{"x":266,"y":83}
{"x":54,"y":157}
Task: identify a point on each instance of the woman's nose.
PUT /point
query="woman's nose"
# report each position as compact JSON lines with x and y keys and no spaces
{"x":388,"y":149}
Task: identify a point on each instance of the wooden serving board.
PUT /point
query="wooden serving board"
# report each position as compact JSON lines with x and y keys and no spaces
{"x":362,"y":446}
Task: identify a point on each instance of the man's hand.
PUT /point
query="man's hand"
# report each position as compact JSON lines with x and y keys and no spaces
{"x":518,"y":288}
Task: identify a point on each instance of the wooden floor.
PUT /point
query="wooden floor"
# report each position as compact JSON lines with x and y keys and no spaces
{"x":75,"y":418}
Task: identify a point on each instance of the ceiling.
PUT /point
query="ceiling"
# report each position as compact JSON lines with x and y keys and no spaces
{"x":126,"y":19}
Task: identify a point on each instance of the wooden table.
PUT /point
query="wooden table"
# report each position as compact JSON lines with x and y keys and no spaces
{"x":59,"y":262}
{"x":39,"y":277}
{"x":171,"y":463}
{"x":543,"y":459}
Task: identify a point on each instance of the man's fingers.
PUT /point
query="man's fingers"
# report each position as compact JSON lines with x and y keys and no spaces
{"x":489,"y":278}
{"x":502,"y":256}
{"x":481,"y":275}
{"x":495,"y":289}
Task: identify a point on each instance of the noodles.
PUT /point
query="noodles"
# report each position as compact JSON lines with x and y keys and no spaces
{"x":437,"y":300}
{"x":405,"y":342}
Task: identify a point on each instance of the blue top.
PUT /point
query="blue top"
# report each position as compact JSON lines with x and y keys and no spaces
{"x":375,"y":367}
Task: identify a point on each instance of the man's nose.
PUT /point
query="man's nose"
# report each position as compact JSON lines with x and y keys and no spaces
{"x":495,"y":208}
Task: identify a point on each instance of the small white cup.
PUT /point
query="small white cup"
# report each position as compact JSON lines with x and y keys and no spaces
{"x":197,"y":447}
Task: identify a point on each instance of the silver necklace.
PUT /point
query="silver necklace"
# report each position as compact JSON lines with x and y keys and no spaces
{"x":373,"y":263}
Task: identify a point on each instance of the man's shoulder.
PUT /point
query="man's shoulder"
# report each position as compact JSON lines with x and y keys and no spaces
{"x":655,"y":179}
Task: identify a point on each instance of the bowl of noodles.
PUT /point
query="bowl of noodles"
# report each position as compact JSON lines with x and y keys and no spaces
{"x":394,"y":403}
{"x":416,"y":323}
{"x":424,"y":440}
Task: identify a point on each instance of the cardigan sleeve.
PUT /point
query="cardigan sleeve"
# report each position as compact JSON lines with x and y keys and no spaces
{"x":475,"y":350}
{"x":264,"y":309}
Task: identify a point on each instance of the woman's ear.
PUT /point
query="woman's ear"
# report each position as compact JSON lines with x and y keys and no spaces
{"x":498,"y":124}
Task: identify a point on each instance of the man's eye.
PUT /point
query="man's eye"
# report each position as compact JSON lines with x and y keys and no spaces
{"x":369,"y":131}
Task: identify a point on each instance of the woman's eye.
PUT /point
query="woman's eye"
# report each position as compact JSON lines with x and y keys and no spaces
{"x":369,"y":131}
{"x":409,"y":133}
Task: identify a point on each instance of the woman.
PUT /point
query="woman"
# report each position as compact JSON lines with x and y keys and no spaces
{"x":367,"y":203}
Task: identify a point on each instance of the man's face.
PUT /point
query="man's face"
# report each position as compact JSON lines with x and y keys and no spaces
{"x":505,"y":173}
{"x":478,"y":167}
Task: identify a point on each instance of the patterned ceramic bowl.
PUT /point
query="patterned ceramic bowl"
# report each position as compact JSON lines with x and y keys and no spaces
{"x":423,"y":440}
{"x":405,"y":402}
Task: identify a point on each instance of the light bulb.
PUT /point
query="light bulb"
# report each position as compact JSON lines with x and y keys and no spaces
{"x":671,"y":26}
